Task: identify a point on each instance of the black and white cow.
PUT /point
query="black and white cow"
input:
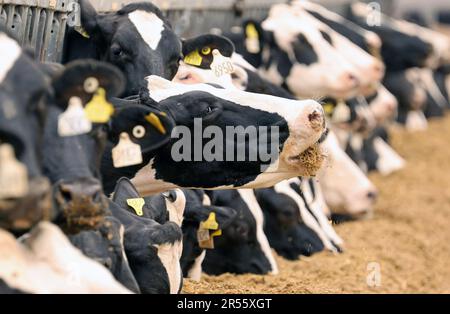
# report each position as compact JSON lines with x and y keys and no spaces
{"x":299,"y":124}
{"x":198,"y":211}
{"x":411,"y":95}
{"x":153,"y":249}
{"x":24,"y":191}
{"x":294,"y":224}
{"x":399,"y":50}
{"x":243,"y":246}
{"x":138,"y":39}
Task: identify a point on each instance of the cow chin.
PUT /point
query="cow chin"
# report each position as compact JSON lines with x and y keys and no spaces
{"x":21,"y":214}
{"x":306,"y":163}
{"x":80,"y":214}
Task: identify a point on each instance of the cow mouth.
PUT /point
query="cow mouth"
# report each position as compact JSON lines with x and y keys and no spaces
{"x":80,"y":214}
{"x":311,"y":160}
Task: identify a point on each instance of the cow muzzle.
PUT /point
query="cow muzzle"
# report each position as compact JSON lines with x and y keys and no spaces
{"x":81,"y":203}
{"x":21,"y":214}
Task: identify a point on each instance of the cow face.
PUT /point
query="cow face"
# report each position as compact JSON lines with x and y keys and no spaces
{"x":286,"y":231}
{"x":138,"y":39}
{"x":369,"y":70}
{"x":239,"y":249}
{"x":74,"y":138}
{"x":153,"y":250}
{"x":408,"y":89}
{"x":299,"y":125}
{"x":146,"y":126}
{"x":198,"y":211}
{"x":25,"y":193}
{"x":383,"y":105}
{"x":105,"y":245}
{"x":345,"y":187}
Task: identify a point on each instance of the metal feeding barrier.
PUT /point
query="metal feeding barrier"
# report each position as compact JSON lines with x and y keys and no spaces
{"x":41,"y":24}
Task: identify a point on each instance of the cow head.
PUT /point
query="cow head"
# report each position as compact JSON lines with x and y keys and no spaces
{"x":74,"y":139}
{"x":284,"y":227}
{"x":198,"y":211}
{"x":299,"y":126}
{"x":346,"y":188}
{"x":25,"y":193}
{"x":138,"y":39}
{"x":239,"y":249}
{"x":105,"y":245}
{"x":153,"y":249}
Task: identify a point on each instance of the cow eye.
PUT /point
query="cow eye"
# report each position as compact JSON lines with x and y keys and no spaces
{"x":138,"y":131}
{"x":170,"y":195}
{"x":117,"y":51}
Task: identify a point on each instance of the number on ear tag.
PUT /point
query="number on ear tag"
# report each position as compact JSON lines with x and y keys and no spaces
{"x":136,"y":204}
{"x":210,"y":223}
{"x":193,"y":58}
{"x":126,"y":153}
{"x":252,"y":39}
{"x":205,"y":241}
{"x":341,"y":113}
{"x":73,"y":121}
{"x":221,"y":65}
{"x":99,"y":110}
{"x":13,"y":174}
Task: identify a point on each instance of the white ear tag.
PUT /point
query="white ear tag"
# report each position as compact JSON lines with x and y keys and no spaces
{"x":341,"y":113}
{"x":221,"y":65}
{"x":126,"y":153}
{"x":73,"y":121}
{"x":13,"y":174}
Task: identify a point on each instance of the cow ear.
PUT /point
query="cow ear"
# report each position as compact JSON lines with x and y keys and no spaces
{"x":88,"y":16}
{"x":124,"y":190}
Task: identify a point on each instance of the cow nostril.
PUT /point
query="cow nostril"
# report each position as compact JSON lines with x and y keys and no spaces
{"x":372,"y":195}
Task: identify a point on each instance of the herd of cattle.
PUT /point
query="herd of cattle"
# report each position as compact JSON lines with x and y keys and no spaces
{"x":91,"y":198}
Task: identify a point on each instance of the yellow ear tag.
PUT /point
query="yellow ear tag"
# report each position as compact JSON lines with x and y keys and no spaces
{"x":210,"y":223}
{"x":328,"y":108}
{"x":81,"y":31}
{"x":99,"y":110}
{"x":13,"y":174}
{"x":126,"y":153}
{"x":221,"y":65}
{"x":341,"y":113}
{"x":216,"y":233}
{"x":136,"y":204}
{"x":73,"y":121}
{"x":193,"y":58}
{"x":252,"y":39}
{"x":156,"y":122}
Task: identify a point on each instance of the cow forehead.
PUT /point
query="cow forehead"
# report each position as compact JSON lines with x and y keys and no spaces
{"x":149,"y":26}
{"x":10,"y":53}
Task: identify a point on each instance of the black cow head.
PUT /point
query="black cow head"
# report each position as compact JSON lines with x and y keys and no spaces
{"x":138,"y":39}
{"x":75,"y":136}
{"x":105,"y":245}
{"x":197,"y":212}
{"x":25,"y":193}
{"x":238,"y":249}
{"x":153,"y":249}
{"x":287,"y":233}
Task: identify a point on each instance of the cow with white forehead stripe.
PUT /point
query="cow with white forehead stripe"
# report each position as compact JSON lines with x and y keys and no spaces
{"x":296,"y":127}
{"x":24,"y":191}
{"x":138,"y":39}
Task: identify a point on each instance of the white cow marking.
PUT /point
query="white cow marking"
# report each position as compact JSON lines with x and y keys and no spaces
{"x":149,"y":26}
{"x":169,"y":255}
{"x":195,"y":272}
{"x":10,"y":53}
